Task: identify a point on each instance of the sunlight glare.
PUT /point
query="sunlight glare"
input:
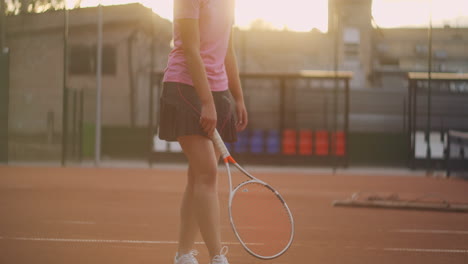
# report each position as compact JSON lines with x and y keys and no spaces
{"x":299,"y":15}
{"x":304,"y":15}
{"x":416,"y":13}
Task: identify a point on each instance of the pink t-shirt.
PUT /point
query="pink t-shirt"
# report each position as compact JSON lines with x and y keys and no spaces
{"x":215,"y":18}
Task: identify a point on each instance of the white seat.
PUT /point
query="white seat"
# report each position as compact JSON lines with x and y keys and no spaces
{"x":437,"y":145}
{"x":175,"y":147}
{"x":159,"y":145}
{"x":420,"y":147}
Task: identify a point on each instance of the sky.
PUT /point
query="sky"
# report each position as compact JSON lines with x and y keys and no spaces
{"x":304,"y":15}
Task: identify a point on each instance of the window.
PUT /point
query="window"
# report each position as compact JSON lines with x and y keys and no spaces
{"x":83,"y":60}
{"x":80,"y":60}
{"x":440,"y":54}
{"x":351,"y":50}
{"x":383,"y":48}
{"x":109,"y":62}
{"x":421,"y":49}
{"x":351,"y":35}
{"x":388,"y":60}
{"x":351,"y":39}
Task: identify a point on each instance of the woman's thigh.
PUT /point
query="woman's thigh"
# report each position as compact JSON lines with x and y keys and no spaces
{"x":202,"y":157}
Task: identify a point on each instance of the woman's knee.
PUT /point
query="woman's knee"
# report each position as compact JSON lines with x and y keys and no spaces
{"x":203,"y":176}
{"x":202,"y":159}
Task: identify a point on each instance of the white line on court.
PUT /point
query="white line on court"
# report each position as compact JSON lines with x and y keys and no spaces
{"x":42,"y":239}
{"x":429,"y":231}
{"x":71,"y":222}
{"x":428,"y":250}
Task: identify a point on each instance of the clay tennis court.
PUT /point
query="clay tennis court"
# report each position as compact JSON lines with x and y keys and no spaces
{"x":130,"y":215}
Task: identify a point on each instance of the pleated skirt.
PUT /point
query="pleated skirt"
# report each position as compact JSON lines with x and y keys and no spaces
{"x":180,"y":108}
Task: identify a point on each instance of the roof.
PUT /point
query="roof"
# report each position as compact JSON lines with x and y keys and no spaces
{"x":53,"y":20}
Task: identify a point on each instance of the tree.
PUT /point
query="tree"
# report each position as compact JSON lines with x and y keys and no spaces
{"x":261,"y":25}
{"x":36,"y":6}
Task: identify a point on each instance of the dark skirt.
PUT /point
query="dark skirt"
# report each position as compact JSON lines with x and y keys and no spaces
{"x":180,"y":109}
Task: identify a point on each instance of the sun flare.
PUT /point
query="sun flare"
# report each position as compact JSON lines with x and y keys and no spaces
{"x":304,"y":15}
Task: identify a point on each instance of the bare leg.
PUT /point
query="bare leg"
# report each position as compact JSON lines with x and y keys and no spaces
{"x":203,"y":195}
{"x":188,"y":221}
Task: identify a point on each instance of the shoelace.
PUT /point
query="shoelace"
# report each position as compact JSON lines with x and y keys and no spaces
{"x":189,"y":257}
{"x":221,"y":258}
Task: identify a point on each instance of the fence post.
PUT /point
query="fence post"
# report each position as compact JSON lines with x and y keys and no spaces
{"x":4,"y":104}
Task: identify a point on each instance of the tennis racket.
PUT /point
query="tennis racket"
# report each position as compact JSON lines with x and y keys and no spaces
{"x":259,"y":216}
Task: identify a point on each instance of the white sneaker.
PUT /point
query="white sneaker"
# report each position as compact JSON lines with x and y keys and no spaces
{"x":188,"y":258}
{"x":221,"y":258}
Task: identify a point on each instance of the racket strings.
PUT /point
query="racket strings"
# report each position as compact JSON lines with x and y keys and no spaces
{"x":261,"y":219}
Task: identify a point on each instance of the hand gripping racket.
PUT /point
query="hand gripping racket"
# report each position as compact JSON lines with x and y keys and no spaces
{"x":259,"y":216}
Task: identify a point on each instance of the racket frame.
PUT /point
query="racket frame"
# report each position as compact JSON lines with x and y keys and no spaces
{"x":227,"y":158}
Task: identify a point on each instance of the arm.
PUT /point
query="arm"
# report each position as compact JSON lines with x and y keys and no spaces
{"x":235,"y":87}
{"x":190,"y":36}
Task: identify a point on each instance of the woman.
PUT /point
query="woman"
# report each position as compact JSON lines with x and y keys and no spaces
{"x":201,"y":92}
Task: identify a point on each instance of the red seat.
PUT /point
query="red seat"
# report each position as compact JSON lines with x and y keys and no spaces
{"x":340,"y":146}
{"x":289,"y":142}
{"x":289,"y":133}
{"x":305,"y":142}
{"x":321,"y":142}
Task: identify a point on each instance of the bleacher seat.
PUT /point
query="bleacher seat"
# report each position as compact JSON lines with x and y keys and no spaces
{"x":159,"y":145}
{"x":242,"y":143}
{"x":229,"y":146}
{"x":289,"y":142}
{"x":340,"y":146}
{"x":305,"y":142}
{"x":420,"y":145}
{"x":321,"y":143}
{"x":175,"y":147}
{"x":273,"y":142}
{"x":256,"y":142}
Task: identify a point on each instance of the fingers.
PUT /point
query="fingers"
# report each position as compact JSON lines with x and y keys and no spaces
{"x":208,"y":125}
{"x":208,"y":119}
{"x":242,"y":120}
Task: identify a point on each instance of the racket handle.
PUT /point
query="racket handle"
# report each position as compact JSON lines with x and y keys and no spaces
{"x":218,"y":141}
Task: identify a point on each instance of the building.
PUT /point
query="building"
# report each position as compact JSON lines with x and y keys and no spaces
{"x":36,"y":43}
{"x":379,"y":58}
{"x":400,"y":50}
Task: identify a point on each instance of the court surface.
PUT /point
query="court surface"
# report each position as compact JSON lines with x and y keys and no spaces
{"x":130,"y":215}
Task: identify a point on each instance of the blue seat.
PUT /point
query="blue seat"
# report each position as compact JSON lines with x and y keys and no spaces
{"x":242,"y":144}
{"x":273,"y":145}
{"x":256,"y":142}
{"x":229,"y":146}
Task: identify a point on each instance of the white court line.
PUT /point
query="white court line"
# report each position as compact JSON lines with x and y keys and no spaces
{"x":41,"y":239}
{"x":428,"y":250}
{"x":71,"y":222}
{"x":429,"y":231}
